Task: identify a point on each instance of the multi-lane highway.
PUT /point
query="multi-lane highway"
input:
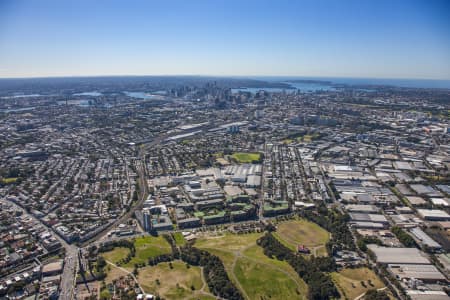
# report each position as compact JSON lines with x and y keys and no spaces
{"x":68,"y":277}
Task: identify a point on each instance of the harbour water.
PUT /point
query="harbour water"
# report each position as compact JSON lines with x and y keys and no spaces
{"x":304,"y":87}
{"x":408,"y":83}
{"x":142,"y":95}
{"x":92,"y":94}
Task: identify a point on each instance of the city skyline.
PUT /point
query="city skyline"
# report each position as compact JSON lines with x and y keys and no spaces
{"x":405,"y":39}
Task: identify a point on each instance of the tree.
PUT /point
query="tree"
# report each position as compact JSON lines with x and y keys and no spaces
{"x":403,"y":237}
{"x":311,"y":270}
{"x":101,"y":263}
{"x":373,"y":294}
{"x":213,"y":270}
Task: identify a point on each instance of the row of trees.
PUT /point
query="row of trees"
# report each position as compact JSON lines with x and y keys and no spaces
{"x":97,"y":273}
{"x":153,"y":261}
{"x":311,"y":270}
{"x":336,"y":223}
{"x":121,"y":243}
{"x":171,"y":240}
{"x":214,"y":271}
{"x":373,"y":294}
{"x":403,"y":237}
{"x":108,"y":246}
{"x":363,"y":241}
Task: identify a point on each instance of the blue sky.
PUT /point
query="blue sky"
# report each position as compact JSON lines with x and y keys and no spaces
{"x":339,"y":38}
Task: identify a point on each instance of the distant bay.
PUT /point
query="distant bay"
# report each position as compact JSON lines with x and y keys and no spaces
{"x":395,"y":82}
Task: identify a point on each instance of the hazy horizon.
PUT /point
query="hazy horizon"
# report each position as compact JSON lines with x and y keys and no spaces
{"x":281,"y":77}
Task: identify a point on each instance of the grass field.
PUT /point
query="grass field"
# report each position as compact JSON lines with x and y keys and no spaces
{"x":261,"y":281}
{"x":179,"y":239}
{"x":116,"y":254}
{"x":301,"y":232}
{"x":203,"y":297}
{"x":9,"y":180}
{"x":175,"y":283}
{"x":113,"y":273}
{"x":301,"y":138}
{"x":288,"y":141}
{"x":308,"y":138}
{"x":146,"y":247}
{"x":254,"y":273}
{"x":245,"y":157}
{"x":228,"y":241}
{"x":348,"y":281}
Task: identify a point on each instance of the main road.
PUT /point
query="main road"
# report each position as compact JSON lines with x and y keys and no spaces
{"x":70,"y":261}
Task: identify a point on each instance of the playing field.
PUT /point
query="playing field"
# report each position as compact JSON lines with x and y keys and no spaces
{"x":178,"y":282}
{"x":116,"y":254}
{"x":256,"y":275}
{"x":9,"y":180}
{"x":307,"y":138}
{"x":301,"y":232}
{"x":146,"y":247}
{"x":354,"y":282}
{"x":246,"y":157}
{"x":301,"y":138}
